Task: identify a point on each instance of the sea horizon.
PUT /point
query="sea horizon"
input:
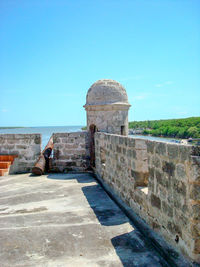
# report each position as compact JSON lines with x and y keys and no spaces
{"x":45,"y":131}
{"x":18,"y":127}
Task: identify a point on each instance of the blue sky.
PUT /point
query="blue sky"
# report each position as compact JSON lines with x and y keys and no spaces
{"x":52,"y":51}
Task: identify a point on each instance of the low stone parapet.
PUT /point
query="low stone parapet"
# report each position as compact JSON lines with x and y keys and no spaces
{"x":71,"y":152}
{"x":27,"y":147}
{"x":159,"y":181}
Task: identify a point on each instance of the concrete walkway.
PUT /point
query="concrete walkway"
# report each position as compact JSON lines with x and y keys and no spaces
{"x":66,"y":220}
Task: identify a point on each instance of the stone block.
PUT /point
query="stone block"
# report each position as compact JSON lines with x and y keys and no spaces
{"x":70,"y":146}
{"x":121,"y":140}
{"x":168,"y":210}
{"x":150,"y":147}
{"x":174,"y":228}
{"x":11,"y":142}
{"x":64,"y":140}
{"x":151,"y":186}
{"x":118,"y":148}
{"x":123,"y":150}
{"x":61,"y":135}
{"x":195,"y":191}
{"x":196,"y":160}
{"x":195,"y":211}
{"x":138,"y":198}
{"x":158,"y":176}
{"x":181,"y":218}
{"x":141,"y":155}
{"x":155,"y":225}
{"x":132,"y":165}
{"x":163,"y":192}
{"x":168,"y":167}
{"x":96,"y":142}
{"x":180,"y":172}
{"x":70,"y":163}
{"x":9,"y":147}
{"x":131,"y":142}
{"x":56,"y":139}
{"x":56,"y":153}
{"x":141,"y":166}
{"x":24,"y":141}
{"x":155,"y":201}
{"x":65,"y":157}
{"x":2,"y":140}
{"x":129,"y":153}
{"x":21,"y":147}
{"x":113,"y":140}
{"x":82,"y":145}
{"x":195,"y":229}
{"x":177,"y":201}
{"x":197,"y":246}
{"x":179,"y":187}
{"x":156,"y":162}
{"x":140,"y":179}
{"x":126,"y":141}
{"x":140,"y":144}
{"x":160,"y":149}
{"x":134,"y":154}
{"x":37,"y":139}
{"x":184,"y":153}
{"x":173,"y":151}
{"x":195,"y":169}
{"x":195,"y":151}
{"x":116,"y":139}
{"x":151,"y":173}
{"x":122,"y":159}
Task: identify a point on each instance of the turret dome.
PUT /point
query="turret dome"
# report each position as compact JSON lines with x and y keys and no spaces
{"x":106,"y":92}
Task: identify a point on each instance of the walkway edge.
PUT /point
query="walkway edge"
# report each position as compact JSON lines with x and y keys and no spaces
{"x":172,"y":256}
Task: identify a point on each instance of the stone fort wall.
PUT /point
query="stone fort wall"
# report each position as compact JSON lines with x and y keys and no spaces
{"x":159,"y":181}
{"x":26,"y":146}
{"x":71,"y":151}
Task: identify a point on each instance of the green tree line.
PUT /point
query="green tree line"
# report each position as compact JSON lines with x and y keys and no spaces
{"x":179,"y":128}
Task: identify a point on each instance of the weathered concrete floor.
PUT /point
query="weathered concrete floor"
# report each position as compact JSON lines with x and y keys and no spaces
{"x":66,"y":220}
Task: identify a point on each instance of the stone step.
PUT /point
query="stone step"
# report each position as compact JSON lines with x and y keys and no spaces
{"x":3,"y":172}
{"x":8,"y":158}
{"x":5,"y":164}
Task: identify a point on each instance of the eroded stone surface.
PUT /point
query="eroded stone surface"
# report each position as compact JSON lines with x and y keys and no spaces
{"x":66,"y":220}
{"x":171,"y":175}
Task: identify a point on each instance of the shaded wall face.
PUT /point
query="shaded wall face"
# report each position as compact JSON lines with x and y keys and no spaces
{"x":71,"y":151}
{"x":26,"y":146}
{"x":159,"y":181}
{"x":110,"y":121}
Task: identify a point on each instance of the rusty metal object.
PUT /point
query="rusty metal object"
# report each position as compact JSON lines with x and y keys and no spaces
{"x":39,"y":167}
{"x":92,"y":145}
{"x":43,"y":162}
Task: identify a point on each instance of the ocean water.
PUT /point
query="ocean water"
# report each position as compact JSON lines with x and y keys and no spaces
{"x":154,"y":138}
{"x":46,"y":132}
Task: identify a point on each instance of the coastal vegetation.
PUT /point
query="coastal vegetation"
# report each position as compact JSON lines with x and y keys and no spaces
{"x":179,"y":128}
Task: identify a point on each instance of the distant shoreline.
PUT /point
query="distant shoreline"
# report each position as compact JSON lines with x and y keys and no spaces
{"x":2,"y":128}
